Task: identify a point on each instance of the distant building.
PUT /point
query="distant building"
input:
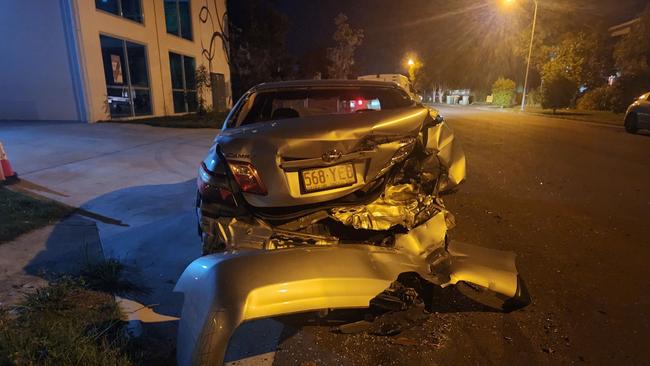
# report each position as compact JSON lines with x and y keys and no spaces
{"x":618,"y":31}
{"x":458,"y":96}
{"x":91,"y":60}
{"x":622,"y":29}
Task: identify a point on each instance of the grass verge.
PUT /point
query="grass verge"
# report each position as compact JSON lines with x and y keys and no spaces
{"x":604,"y":117}
{"x":21,"y":213}
{"x":75,"y":321}
{"x":191,"y":120}
{"x":64,"y":324}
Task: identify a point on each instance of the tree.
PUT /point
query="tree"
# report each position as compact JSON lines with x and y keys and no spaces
{"x":258,"y":45}
{"x":503,"y":92}
{"x":558,"y":91}
{"x":632,"y":52}
{"x":203,"y":83}
{"x":341,"y":57}
{"x":582,"y":58}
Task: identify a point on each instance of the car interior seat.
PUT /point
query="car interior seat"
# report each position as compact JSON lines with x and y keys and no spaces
{"x":283,"y":113}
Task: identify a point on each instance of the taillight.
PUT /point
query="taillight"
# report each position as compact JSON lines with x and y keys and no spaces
{"x":247,"y":177}
{"x":208,"y":189}
{"x":202,"y":181}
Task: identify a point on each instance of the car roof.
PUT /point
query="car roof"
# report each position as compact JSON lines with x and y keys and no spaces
{"x":323,"y":83}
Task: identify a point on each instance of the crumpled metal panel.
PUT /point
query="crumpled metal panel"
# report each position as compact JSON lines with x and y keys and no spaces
{"x":399,"y":205}
{"x":223,"y":290}
{"x":441,"y":141}
{"x":238,"y":233}
{"x":266,"y":145}
{"x":488,"y":268}
{"x":426,"y":238}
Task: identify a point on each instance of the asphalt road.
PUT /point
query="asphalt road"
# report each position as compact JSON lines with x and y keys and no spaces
{"x":572,"y":199}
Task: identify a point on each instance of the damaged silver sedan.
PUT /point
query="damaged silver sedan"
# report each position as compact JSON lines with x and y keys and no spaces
{"x":318,"y":195}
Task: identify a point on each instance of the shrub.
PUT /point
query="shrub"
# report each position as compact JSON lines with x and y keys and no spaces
{"x":558,"y":92}
{"x":627,"y":88}
{"x":503,"y":92}
{"x":533,"y":98}
{"x":597,"y":99}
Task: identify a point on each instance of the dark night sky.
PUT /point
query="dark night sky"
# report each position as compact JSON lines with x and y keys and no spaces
{"x":393,"y":27}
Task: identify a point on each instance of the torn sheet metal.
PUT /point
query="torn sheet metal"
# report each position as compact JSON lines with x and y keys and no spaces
{"x":223,"y":290}
{"x":238,"y":233}
{"x":440,"y":140}
{"x":401,"y":205}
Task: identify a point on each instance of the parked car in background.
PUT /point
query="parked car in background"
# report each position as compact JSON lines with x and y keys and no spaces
{"x":638,"y":114}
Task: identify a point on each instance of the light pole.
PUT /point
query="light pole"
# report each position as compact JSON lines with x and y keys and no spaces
{"x":530,"y":51}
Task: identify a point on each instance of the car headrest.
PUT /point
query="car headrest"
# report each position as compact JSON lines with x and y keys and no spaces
{"x":282,"y":113}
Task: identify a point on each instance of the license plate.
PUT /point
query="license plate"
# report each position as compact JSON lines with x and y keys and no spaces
{"x":327,"y":178}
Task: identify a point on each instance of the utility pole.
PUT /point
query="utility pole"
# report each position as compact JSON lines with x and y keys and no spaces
{"x":530,"y":51}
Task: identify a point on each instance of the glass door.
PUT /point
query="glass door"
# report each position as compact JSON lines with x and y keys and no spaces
{"x":126,"y":74}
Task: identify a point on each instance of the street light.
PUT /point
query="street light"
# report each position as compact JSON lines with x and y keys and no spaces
{"x":530,"y":51}
{"x":412,"y":64}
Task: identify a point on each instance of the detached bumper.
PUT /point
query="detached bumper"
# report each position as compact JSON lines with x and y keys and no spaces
{"x":223,"y":290}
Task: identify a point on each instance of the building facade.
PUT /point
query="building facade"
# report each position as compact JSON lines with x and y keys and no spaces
{"x":622,"y":29}
{"x":92,"y":60}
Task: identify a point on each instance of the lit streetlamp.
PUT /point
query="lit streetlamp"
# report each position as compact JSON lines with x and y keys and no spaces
{"x":412,"y":65}
{"x":530,"y":50}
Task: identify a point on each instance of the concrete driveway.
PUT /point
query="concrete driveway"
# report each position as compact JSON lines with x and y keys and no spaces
{"x":81,"y":162}
{"x":136,"y":182}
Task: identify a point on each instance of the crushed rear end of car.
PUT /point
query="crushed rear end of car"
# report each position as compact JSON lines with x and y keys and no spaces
{"x":283,"y":248}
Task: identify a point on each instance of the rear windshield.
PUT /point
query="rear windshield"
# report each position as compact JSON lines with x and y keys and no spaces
{"x":296,"y":103}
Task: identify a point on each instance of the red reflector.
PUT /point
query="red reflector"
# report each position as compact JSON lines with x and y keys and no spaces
{"x":224,"y":193}
{"x":247,"y":177}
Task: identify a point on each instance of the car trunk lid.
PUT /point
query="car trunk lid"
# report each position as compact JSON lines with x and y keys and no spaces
{"x":280,"y":150}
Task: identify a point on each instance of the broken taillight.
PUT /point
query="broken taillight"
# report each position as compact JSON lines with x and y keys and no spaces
{"x":247,"y":177}
{"x":210,"y":189}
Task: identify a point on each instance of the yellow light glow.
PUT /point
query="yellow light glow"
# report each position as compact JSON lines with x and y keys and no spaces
{"x":411,"y":62}
{"x":508,"y":2}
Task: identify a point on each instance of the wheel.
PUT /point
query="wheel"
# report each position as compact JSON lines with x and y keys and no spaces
{"x":631,"y":123}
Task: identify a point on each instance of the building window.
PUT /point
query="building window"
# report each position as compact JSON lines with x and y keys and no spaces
{"x":182,"y":70}
{"x":129,"y":9}
{"x":178,"y":19}
{"x":127,"y":77}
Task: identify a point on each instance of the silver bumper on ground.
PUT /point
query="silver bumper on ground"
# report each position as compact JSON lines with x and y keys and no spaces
{"x":223,"y":290}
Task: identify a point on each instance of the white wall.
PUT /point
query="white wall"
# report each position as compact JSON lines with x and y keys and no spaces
{"x":36,"y":80}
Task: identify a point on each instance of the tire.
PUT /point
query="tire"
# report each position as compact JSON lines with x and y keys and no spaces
{"x":631,"y":123}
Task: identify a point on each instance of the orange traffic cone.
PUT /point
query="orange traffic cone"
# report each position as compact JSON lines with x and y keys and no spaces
{"x":7,"y":174}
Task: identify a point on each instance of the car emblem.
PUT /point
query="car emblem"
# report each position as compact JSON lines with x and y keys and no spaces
{"x":331,"y":156}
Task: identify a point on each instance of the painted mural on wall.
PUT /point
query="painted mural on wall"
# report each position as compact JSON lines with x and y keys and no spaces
{"x":216,"y":26}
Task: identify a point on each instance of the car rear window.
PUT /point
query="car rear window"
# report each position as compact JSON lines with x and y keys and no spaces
{"x":295,"y":103}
